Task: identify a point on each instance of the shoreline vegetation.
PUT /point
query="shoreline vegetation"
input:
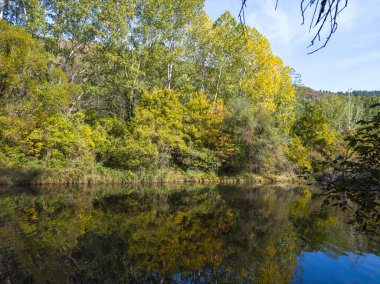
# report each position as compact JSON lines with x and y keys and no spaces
{"x":36,"y":177}
{"x":136,"y":92}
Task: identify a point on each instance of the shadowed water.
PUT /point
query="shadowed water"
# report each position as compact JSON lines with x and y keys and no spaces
{"x":181,"y":234}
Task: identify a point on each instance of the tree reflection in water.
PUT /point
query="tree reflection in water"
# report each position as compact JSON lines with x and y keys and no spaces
{"x":184,"y":234}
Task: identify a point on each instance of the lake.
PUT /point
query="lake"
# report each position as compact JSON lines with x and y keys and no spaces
{"x":181,"y":234}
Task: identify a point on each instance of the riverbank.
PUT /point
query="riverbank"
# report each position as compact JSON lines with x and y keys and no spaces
{"x":101,"y":175}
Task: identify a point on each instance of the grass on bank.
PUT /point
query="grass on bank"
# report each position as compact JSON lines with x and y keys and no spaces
{"x":102,"y":175}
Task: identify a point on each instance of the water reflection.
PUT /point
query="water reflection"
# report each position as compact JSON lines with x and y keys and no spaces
{"x":180,"y":234}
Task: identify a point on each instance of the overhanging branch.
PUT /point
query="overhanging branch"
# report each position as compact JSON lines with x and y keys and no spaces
{"x":325,"y":16}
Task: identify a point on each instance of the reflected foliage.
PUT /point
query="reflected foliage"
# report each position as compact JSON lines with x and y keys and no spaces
{"x":168,"y":234}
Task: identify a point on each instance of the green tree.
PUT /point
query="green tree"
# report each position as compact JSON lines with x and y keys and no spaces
{"x":313,"y":129}
{"x":29,"y":14}
{"x":160,"y":31}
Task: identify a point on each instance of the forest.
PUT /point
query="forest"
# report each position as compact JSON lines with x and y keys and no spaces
{"x":114,"y":91}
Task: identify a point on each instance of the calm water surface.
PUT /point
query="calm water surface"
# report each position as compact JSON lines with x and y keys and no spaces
{"x":180,"y":234}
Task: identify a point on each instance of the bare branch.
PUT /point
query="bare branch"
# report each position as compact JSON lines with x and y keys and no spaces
{"x":241,"y":12}
{"x":329,"y":11}
{"x":324,"y":17}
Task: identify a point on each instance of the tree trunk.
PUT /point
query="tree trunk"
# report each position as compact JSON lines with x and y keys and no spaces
{"x":203,"y":80}
{"x":2,"y":8}
{"x":170,"y":73}
{"x":218,"y":84}
{"x":25,"y":12}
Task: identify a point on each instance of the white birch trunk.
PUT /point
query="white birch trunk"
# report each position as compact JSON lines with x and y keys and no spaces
{"x":2,"y":7}
{"x":170,"y":73}
{"x":217,"y":85}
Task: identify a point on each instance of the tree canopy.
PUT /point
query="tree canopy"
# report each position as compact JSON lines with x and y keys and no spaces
{"x":145,"y":88}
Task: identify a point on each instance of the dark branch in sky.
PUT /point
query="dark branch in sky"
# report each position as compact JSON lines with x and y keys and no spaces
{"x":241,"y":12}
{"x":324,"y":17}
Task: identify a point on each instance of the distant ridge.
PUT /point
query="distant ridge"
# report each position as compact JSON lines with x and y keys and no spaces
{"x":309,"y":93}
{"x":363,"y":93}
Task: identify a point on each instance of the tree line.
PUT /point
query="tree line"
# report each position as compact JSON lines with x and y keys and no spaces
{"x":143,"y":86}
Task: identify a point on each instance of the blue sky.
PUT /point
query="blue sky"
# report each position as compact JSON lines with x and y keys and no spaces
{"x":351,"y":59}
